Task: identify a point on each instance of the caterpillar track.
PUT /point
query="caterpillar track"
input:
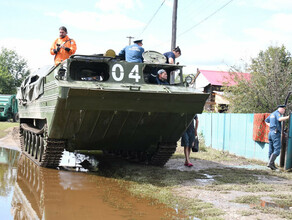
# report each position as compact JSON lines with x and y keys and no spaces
{"x":160,"y":157}
{"x":163,"y":154}
{"x":43,"y":151}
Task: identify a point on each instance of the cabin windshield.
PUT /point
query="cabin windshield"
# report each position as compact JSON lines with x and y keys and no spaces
{"x":174,"y":74}
{"x":89,"y":71}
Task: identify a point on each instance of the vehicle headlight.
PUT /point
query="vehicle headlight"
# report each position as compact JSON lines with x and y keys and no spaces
{"x":189,"y":79}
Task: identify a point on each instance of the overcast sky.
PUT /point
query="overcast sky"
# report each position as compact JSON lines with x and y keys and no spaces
{"x":211,"y":36}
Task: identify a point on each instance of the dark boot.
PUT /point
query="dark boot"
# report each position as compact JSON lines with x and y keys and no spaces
{"x":271,"y":163}
{"x":275,"y":165}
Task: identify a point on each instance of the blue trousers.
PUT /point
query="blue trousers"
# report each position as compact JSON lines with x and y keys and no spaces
{"x":274,"y":143}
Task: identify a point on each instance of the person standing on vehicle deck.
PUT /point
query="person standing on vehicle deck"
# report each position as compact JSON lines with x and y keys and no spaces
{"x":63,"y":47}
{"x":274,"y":122}
{"x":133,"y":53}
{"x":171,"y":55}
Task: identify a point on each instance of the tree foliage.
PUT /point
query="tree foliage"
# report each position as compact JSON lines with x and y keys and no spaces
{"x":13,"y":69}
{"x":269,"y":83}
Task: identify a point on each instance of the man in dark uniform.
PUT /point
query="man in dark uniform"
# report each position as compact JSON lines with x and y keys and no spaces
{"x":133,"y":53}
{"x":274,"y":122}
{"x":161,"y":77}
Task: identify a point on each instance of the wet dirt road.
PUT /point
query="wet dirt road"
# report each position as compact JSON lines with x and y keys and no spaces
{"x":32,"y":192}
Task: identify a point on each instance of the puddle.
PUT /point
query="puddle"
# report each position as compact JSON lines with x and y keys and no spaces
{"x":32,"y":192}
{"x":206,"y":181}
{"x":250,"y":167}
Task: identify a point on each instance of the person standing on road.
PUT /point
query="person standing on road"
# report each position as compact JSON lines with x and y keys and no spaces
{"x":274,"y":122}
{"x":133,"y":53}
{"x":63,"y":47}
{"x":188,"y":140}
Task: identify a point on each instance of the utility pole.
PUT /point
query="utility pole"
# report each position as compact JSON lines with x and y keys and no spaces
{"x":130,"y":38}
{"x":174,"y":18}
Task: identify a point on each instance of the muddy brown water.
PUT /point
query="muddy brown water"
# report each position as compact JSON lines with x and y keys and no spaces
{"x":31,"y":192}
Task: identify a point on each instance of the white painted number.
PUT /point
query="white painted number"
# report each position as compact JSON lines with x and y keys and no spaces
{"x":134,"y":74}
{"x":114,"y":72}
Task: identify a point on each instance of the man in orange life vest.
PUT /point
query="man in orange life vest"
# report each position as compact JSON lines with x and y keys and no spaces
{"x":63,"y":47}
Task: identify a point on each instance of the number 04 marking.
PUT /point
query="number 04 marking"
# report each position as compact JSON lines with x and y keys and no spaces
{"x":134,"y":74}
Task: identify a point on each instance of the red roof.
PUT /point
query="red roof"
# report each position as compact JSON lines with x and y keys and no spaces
{"x":218,"y":77}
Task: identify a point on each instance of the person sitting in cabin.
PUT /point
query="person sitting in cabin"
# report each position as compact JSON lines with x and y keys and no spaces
{"x":161,"y":77}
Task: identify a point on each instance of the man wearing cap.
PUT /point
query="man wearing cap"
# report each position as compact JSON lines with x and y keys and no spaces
{"x":133,"y":53}
{"x":274,"y":122}
{"x":161,"y":78}
{"x":63,"y":47}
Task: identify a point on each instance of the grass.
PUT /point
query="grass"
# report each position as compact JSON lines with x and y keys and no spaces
{"x":158,"y":183}
{"x":234,"y":179}
{"x":285,"y":214}
{"x":210,"y":154}
{"x":250,"y":187}
{"x":255,"y":201}
{"x":189,"y":207}
{"x":250,"y":199}
{"x":142,"y":174}
{"x":4,"y":126}
{"x":282,"y":200}
{"x":247,"y":212}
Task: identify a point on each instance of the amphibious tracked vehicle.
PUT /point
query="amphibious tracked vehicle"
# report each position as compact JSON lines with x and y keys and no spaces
{"x":98,"y":102}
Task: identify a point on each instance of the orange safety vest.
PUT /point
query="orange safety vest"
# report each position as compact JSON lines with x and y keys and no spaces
{"x":63,"y":54}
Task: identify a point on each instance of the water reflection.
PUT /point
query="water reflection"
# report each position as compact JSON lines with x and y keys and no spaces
{"x":41,"y":193}
{"x":8,"y":161}
{"x":8,"y":175}
{"x":78,"y":162}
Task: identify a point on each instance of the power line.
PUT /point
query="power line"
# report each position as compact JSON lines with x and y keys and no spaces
{"x":151,"y":18}
{"x":206,"y":18}
{"x":191,"y":14}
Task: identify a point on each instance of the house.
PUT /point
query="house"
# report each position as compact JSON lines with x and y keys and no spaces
{"x":211,"y":81}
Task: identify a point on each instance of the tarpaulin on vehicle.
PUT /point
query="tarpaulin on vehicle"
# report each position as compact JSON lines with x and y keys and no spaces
{"x":33,"y":86}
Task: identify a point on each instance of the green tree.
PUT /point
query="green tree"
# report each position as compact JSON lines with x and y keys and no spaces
{"x":269,"y":83}
{"x":13,"y":70}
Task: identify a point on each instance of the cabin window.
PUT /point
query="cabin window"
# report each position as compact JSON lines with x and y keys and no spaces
{"x":33,"y":79}
{"x":174,"y":76}
{"x":89,"y":71}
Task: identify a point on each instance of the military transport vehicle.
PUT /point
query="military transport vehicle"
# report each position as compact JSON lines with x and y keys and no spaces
{"x":8,"y":108}
{"x":101,"y":102}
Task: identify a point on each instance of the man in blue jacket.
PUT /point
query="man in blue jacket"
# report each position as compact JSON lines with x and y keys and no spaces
{"x":133,"y":53}
{"x":274,"y":122}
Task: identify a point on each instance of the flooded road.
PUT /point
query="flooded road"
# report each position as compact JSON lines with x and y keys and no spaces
{"x":31,"y":192}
